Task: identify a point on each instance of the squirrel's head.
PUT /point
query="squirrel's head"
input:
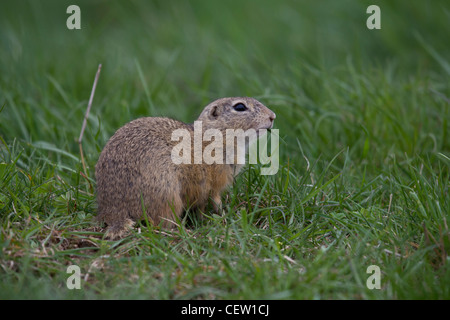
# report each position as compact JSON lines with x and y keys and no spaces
{"x":237,"y":113}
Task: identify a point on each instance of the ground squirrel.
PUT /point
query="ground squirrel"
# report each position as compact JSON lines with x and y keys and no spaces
{"x":136,"y":173}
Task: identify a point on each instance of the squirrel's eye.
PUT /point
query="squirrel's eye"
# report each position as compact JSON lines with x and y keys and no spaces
{"x":239,"y":107}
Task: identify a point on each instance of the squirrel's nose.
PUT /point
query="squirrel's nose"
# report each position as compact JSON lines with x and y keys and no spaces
{"x":272,"y":116}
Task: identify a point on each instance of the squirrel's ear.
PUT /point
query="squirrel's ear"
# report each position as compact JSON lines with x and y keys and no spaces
{"x":214,"y":113}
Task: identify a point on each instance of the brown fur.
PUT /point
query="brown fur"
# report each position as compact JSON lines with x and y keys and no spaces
{"x":135,"y":172}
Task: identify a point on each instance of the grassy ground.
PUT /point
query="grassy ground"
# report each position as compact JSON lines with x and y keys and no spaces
{"x":363,"y":117}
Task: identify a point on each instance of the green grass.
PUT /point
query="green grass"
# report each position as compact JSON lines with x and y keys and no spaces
{"x":363,"y":118}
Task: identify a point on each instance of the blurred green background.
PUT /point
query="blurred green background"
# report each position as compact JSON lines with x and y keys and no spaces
{"x":330,"y":80}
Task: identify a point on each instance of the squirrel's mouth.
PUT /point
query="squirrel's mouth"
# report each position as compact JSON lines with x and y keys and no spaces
{"x":264,"y":129}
